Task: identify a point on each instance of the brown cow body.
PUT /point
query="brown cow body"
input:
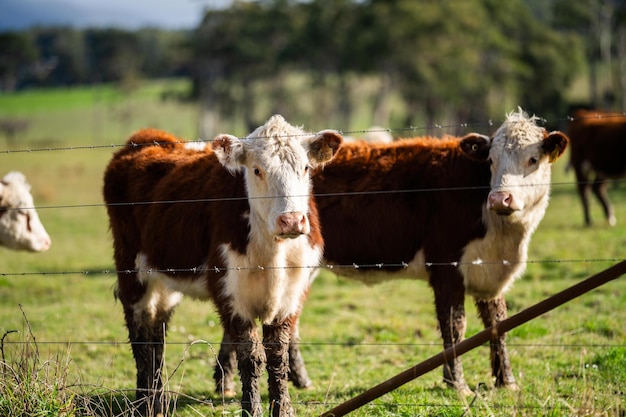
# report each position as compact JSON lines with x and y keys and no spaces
{"x":225,"y":247}
{"x":597,"y":154}
{"x":437,"y":210}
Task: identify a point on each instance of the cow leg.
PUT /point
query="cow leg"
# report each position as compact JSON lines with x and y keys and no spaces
{"x":492,"y":312}
{"x":276,"y":339}
{"x":449,"y":303}
{"x":146,"y":330}
{"x":297,"y":371}
{"x":251,"y":360}
{"x":599,"y":188}
{"x":582,"y":180}
{"x":224,"y":373}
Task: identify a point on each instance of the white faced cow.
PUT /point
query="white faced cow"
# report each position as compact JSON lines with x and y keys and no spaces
{"x":246,"y":237}
{"x":20,"y":227}
{"x":462,"y":217}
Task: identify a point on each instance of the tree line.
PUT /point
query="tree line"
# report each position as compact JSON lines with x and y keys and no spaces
{"x":411,"y":61}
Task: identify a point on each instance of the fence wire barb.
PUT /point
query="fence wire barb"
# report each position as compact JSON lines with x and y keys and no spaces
{"x":316,"y":195}
{"x":198,"y":270}
{"x":435,"y":126}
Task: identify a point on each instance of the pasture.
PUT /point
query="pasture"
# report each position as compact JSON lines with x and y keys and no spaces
{"x":571,"y":361}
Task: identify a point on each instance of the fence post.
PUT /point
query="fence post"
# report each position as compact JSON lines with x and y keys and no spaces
{"x":479,"y":338}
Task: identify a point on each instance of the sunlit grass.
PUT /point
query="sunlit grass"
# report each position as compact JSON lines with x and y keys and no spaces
{"x":567,"y":362}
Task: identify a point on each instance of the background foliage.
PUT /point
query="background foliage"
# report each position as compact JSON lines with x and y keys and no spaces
{"x":423,"y":61}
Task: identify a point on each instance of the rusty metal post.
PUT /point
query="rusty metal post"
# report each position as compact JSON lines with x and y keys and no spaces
{"x":478,"y":339}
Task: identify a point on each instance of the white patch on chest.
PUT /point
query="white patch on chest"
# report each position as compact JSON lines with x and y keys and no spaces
{"x":490,"y":265}
{"x":268,"y":282}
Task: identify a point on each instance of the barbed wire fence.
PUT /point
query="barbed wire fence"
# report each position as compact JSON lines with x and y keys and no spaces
{"x":202,"y":269}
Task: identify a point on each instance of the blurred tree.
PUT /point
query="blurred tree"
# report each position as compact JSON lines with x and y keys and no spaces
{"x":112,"y":54}
{"x":236,"y":48}
{"x":17,"y":55}
{"x":63,"y":57}
{"x":163,"y":53}
{"x":601,"y":25}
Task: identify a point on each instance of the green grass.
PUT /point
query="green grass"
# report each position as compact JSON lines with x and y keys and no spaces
{"x":571,"y":361}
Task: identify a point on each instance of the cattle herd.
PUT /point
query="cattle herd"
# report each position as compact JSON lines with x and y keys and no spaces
{"x":248,"y":223}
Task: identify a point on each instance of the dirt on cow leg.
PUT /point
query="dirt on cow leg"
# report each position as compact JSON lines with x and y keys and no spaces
{"x":276,"y":337}
{"x":147,"y":337}
{"x":492,"y":312}
{"x":298,"y":374}
{"x":225,"y":368}
{"x":451,"y":315}
{"x":251,"y":360}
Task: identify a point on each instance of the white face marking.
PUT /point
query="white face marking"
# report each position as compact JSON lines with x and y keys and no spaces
{"x":275,"y":159}
{"x":520,"y":170}
{"x":20,"y":227}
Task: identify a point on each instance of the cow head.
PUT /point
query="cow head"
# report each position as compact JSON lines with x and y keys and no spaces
{"x":276,"y":159}
{"x":521,"y":154}
{"x":20,"y":227}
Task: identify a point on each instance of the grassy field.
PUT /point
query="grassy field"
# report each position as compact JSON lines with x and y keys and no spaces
{"x":71,"y":335}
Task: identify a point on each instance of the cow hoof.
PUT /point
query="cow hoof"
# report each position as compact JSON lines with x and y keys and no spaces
{"x":302,"y":383}
{"x":512,"y":386}
{"x":227,"y":393}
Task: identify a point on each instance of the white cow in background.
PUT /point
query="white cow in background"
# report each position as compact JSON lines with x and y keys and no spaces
{"x":374,"y":134}
{"x":20,"y":227}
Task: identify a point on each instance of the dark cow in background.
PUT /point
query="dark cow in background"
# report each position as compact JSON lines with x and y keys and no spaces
{"x":246,"y":237}
{"x":461,"y":217}
{"x":597,"y":154}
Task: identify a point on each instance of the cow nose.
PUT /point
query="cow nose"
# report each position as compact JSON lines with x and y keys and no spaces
{"x":501,"y":202}
{"x":291,"y":224}
{"x":45,"y":244}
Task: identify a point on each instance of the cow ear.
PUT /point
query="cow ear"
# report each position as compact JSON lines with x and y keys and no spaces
{"x":229,"y":151}
{"x":323,"y":146}
{"x":554,"y":144}
{"x":476,"y":146}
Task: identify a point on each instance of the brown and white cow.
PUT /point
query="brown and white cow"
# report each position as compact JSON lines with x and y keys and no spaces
{"x":20,"y":227}
{"x":246,"y":237}
{"x":597,"y":154}
{"x":456,"y":212}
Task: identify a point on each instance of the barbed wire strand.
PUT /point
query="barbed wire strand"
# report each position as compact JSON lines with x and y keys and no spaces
{"x":344,"y":343}
{"x":376,"y":266}
{"x":436,"y":126}
{"x":316,"y":195}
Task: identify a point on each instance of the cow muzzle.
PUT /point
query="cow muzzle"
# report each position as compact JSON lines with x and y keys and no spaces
{"x":502,"y":203}
{"x":291,"y":225}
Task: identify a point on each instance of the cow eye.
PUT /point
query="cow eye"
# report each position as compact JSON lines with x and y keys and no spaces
{"x":532,"y":161}
{"x":257,"y":172}
{"x":306,"y":169}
